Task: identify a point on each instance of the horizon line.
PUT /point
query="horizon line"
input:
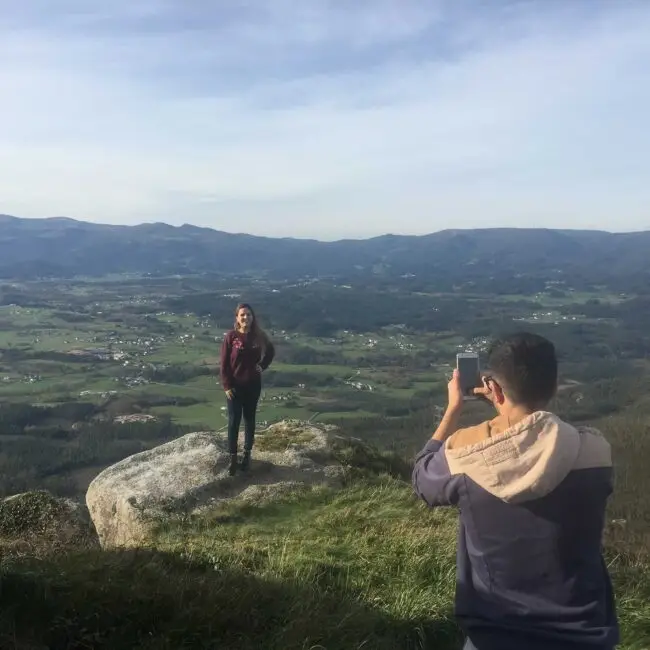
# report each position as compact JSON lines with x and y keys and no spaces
{"x":325,"y":241}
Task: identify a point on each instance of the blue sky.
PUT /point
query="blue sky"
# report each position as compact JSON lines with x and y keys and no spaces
{"x":327,"y":118}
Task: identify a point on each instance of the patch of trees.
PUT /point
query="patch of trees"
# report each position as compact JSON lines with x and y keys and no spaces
{"x":589,"y":342}
{"x":176,"y":373}
{"x":160,"y":429}
{"x":128,"y":404}
{"x":348,"y":399}
{"x":73,"y":317}
{"x":422,"y":360}
{"x":45,"y":462}
{"x":15,"y":418}
{"x":149,"y":401}
{"x":291,"y":378}
{"x":405,"y":435}
{"x":308,"y":355}
{"x":10,"y":295}
{"x":597,"y":398}
{"x":14,"y":354}
{"x":323,"y":311}
{"x":23,"y":353}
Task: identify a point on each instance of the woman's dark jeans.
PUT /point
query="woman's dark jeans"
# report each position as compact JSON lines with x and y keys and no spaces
{"x":243,"y":403}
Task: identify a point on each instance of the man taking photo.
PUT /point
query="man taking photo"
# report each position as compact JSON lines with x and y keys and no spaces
{"x":532,"y":492}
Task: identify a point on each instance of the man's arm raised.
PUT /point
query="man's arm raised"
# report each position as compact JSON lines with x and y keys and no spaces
{"x":432,"y":480}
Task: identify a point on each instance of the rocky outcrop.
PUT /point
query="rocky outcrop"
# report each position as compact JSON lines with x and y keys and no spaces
{"x":131,"y":499}
{"x":41,"y":515}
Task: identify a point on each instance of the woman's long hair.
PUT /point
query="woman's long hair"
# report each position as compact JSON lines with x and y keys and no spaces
{"x":256,"y":333}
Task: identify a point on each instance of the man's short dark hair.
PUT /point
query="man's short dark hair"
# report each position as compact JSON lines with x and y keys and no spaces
{"x":526,"y":366}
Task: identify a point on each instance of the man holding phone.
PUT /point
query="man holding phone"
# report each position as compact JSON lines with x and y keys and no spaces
{"x":532,"y":492}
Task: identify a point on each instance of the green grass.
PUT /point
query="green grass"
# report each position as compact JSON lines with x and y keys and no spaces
{"x":171,"y":390}
{"x":336,"y":415}
{"x":571,"y":298}
{"x":8,"y":338}
{"x":201,"y":416}
{"x":365,"y":567}
{"x":323,"y":369}
{"x":282,"y":440}
{"x":210,"y":414}
{"x":405,"y":393}
{"x":176,"y":353}
{"x":46,"y":386}
{"x":273,"y":413}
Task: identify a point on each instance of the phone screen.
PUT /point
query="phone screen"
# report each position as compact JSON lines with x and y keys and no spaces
{"x":468,"y":367}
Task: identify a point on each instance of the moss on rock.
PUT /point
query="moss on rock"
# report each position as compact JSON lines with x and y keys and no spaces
{"x":41,"y":514}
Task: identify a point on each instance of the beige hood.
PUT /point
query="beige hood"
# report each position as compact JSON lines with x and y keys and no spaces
{"x":525,"y":461}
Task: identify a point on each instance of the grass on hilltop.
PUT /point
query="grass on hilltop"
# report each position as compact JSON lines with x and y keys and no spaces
{"x":364,"y":568}
{"x":367,"y":567}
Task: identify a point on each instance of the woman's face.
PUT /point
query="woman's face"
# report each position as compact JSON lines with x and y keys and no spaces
{"x":244,"y":318}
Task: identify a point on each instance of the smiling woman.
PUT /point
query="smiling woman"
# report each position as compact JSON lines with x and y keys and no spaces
{"x":246,"y":352}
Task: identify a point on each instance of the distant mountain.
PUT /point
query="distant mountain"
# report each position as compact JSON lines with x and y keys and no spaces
{"x":62,"y":247}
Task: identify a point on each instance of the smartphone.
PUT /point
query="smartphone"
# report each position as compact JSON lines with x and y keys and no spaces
{"x":470,"y":372}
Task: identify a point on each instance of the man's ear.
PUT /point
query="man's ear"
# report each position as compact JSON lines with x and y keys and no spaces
{"x":497,"y":391}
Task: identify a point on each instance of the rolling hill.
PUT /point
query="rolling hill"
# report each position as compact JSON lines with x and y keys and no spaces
{"x":62,"y":247}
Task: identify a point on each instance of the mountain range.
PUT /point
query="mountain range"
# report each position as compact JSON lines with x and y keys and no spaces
{"x":63,"y":247}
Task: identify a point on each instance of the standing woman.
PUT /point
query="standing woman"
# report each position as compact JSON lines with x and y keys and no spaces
{"x":245,"y":353}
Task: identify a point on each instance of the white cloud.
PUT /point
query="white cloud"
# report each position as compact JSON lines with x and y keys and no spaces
{"x":369,"y":120}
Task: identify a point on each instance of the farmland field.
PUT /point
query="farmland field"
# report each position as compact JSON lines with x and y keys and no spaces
{"x":76,"y":357}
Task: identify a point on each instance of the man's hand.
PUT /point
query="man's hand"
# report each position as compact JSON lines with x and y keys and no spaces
{"x":455,"y":392}
{"x":449,"y":422}
{"x":484,"y":392}
{"x":229,"y":393}
{"x":259,"y":368}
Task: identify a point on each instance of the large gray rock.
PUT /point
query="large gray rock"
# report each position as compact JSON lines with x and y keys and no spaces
{"x":132,"y":498}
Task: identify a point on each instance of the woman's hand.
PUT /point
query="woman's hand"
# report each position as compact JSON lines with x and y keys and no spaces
{"x":259,"y":368}
{"x":230,"y":393}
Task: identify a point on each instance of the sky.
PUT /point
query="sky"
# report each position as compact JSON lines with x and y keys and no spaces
{"x":327,"y":119}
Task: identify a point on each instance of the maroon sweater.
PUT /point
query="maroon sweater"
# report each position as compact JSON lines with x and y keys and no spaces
{"x":239,"y":359}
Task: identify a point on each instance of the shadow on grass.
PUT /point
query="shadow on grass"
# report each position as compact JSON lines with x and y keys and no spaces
{"x":149,"y":599}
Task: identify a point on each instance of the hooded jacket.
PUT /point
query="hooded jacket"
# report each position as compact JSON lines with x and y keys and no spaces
{"x":532,"y":498}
